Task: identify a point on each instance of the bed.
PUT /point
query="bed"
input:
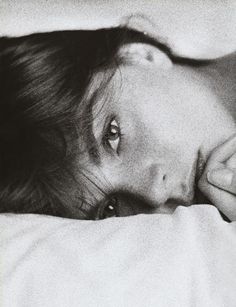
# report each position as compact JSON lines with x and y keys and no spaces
{"x":184,"y":259}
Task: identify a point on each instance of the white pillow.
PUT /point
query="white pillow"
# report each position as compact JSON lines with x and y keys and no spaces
{"x":184,"y":259}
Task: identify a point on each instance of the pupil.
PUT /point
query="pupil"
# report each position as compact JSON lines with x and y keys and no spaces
{"x":110,"y":209}
{"x":114,"y":132}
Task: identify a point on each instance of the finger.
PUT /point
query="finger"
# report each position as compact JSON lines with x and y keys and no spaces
{"x":231,"y":162}
{"x":223,"y":178}
{"x":223,"y":200}
{"x":224,"y":151}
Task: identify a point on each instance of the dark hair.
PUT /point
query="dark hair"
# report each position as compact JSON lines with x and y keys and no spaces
{"x":43,"y":82}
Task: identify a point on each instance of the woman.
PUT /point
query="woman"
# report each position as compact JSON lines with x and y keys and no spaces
{"x":103,"y":123}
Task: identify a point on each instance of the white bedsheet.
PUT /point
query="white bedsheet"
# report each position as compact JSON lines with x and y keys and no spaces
{"x":184,"y":259}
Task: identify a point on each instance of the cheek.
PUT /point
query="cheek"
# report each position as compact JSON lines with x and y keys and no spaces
{"x":168,"y":123}
{"x":182,"y":112}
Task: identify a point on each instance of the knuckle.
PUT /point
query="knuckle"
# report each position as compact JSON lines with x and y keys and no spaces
{"x":231,"y":162}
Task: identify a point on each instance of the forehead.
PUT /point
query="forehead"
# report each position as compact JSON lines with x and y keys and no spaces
{"x":127,"y":83}
{"x":133,"y":84}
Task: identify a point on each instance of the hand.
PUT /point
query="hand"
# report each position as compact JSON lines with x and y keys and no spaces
{"x":218,"y":182}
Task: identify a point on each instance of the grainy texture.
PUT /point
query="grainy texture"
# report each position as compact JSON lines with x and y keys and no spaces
{"x":184,"y":259}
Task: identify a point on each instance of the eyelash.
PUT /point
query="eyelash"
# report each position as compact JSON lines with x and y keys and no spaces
{"x":105,"y":140}
{"x":110,"y":201}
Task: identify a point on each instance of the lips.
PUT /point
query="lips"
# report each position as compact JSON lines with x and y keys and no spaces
{"x":200,"y":166}
{"x":195,"y":196}
{"x":199,"y":197}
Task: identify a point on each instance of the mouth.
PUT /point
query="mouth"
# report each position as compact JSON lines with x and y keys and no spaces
{"x":200,"y":166}
{"x":199,"y":197}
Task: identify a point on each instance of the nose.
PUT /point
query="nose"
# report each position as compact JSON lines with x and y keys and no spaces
{"x":157,"y":184}
{"x":163,"y":188}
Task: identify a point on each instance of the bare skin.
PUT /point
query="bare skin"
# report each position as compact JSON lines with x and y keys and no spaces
{"x":171,"y":122}
{"x":201,"y":31}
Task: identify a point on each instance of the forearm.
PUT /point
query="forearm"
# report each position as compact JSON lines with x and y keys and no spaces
{"x":194,"y":29}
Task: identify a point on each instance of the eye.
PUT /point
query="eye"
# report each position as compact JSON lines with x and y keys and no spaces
{"x":113,"y":135}
{"x":108,"y":209}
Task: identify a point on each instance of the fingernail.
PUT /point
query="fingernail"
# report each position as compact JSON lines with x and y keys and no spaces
{"x":221,"y":176}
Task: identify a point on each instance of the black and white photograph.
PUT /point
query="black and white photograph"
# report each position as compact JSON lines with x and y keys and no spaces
{"x":117,"y":153}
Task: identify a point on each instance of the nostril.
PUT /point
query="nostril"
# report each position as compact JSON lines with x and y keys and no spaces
{"x":158,"y":174}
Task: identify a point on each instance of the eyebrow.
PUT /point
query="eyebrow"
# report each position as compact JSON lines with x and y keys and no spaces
{"x":92,"y":145}
{"x":90,"y":140}
{"x":94,"y":151}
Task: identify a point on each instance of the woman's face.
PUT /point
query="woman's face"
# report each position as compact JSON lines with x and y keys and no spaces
{"x":153,"y":136}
